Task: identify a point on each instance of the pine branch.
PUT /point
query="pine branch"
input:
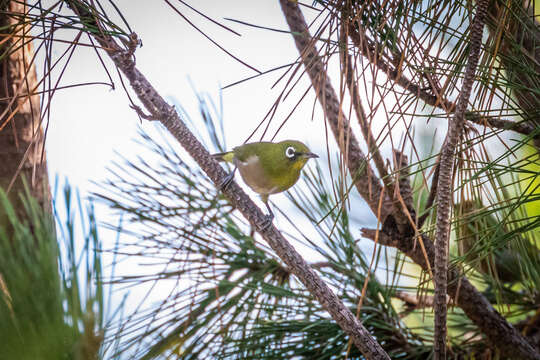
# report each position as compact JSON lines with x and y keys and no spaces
{"x":444,"y":187}
{"x":430,"y":95}
{"x":166,"y":114}
{"x":347,"y":67}
{"x":402,"y":214}
{"x":373,"y":148}
{"x":498,"y":331}
{"x":350,"y":148}
{"x":413,"y":301}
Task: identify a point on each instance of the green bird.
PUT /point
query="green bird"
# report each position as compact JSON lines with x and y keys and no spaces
{"x":267,"y":168}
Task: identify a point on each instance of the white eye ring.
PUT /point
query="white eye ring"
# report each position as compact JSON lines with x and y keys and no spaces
{"x":290,"y":152}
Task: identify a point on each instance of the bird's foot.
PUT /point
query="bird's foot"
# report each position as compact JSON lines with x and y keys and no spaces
{"x":267,"y":222}
{"x":227,"y":180}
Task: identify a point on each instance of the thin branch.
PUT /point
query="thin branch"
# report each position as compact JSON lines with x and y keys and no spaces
{"x":432,"y":97}
{"x":416,"y":302}
{"x":413,"y":302}
{"x":402,"y":172}
{"x":521,"y":127}
{"x":431,"y":196}
{"x":357,"y":162}
{"x":444,"y":187}
{"x":158,"y":107}
{"x":373,"y":148}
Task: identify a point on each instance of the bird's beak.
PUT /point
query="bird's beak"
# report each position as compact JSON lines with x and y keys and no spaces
{"x":310,"y":155}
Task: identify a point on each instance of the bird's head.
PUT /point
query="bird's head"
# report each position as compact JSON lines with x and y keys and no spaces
{"x":295,"y":154}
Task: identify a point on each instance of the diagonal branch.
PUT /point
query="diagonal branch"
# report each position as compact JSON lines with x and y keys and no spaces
{"x":444,"y":187}
{"x":499,"y":332}
{"x":357,"y":162}
{"x":168,"y":116}
{"x":373,"y":148}
{"x":433,"y":98}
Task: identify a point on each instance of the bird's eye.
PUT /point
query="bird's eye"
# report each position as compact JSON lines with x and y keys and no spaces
{"x":290,"y":152}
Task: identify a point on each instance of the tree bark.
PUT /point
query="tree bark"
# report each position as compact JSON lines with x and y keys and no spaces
{"x":22,"y":153}
{"x":445,"y":185}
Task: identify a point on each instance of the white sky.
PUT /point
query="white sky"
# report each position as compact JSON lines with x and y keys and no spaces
{"x":89,"y":124}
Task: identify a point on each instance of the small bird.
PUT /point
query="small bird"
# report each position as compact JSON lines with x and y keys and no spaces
{"x":267,"y":168}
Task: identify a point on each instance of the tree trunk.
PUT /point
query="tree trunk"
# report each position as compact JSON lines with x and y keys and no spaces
{"x":22,"y":153}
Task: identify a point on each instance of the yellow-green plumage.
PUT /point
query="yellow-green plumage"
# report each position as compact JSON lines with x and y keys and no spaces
{"x":269,"y":168}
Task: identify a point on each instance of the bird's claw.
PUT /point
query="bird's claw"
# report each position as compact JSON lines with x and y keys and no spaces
{"x":227,"y":180}
{"x":267,"y":222}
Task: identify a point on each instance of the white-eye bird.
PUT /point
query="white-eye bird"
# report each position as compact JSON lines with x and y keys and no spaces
{"x":267,"y":168}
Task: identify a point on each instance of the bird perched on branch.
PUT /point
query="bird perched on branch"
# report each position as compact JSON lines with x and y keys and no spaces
{"x":267,"y":168}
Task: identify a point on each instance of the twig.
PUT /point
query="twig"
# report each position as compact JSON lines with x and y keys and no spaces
{"x":444,"y":187}
{"x":432,"y":98}
{"x":167,"y":115}
{"x":142,"y":114}
{"x":402,"y":171}
{"x":431,"y":196}
{"x":357,"y":162}
{"x":373,"y":147}
{"x":414,"y":301}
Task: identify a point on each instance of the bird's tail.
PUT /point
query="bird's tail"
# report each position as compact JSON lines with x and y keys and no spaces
{"x":224,"y":156}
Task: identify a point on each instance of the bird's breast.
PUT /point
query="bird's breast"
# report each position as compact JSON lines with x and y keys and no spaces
{"x":256,"y":177}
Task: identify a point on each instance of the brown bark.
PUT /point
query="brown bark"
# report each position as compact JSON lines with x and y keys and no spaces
{"x":367,"y":183}
{"x":21,"y":137}
{"x":444,"y":187}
